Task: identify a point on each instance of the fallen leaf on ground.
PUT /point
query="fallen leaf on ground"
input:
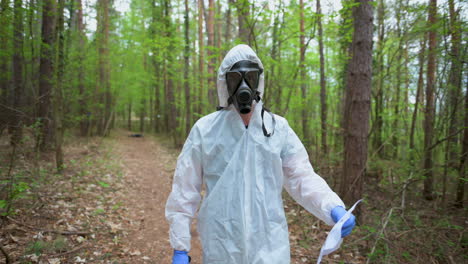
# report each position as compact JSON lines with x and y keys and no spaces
{"x":54,"y":261}
{"x":135,"y":253}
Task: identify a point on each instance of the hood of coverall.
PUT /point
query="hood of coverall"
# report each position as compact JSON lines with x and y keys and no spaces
{"x":236,"y":54}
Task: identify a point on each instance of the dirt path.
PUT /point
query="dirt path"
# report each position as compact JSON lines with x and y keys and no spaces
{"x":148,"y":169}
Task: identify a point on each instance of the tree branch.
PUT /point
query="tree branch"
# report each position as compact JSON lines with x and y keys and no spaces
{"x":446,"y":138}
{"x":80,"y":233}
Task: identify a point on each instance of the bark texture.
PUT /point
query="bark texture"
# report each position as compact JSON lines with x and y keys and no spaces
{"x":58,"y":98}
{"x":201,"y":59}
{"x":188,"y":110}
{"x":243,"y":11}
{"x":357,"y":104}
{"x":302,"y":70}
{"x":46,"y":70}
{"x":323,"y":85}
{"x":18,"y":89}
{"x":211,"y":54}
{"x":429,"y":111}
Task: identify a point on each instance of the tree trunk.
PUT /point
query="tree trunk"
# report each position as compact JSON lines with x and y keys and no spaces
{"x":454,"y":86}
{"x":129,"y":120}
{"x":188,"y":110}
{"x":323,"y":88}
{"x":275,"y":56}
{"x":172,"y":113}
{"x":453,"y":111}
{"x":155,"y":19}
{"x":357,"y":104}
{"x":345,"y":33}
{"x":302,"y":48}
{"x":227,"y":33}
{"x":218,"y":33}
{"x":46,"y":71}
{"x":395,"y":128}
{"x":211,"y":55}
{"x":429,"y":111}
{"x":243,"y":10}
{"x":4,"y":64}
{"x":57,"y":91}
{"x":142,"y":115}
{"x":151,"y":107}
{"x":84,"y":121}
{"x":18,"y":89}
{"x":419,"y":96}
{"x":462,"y":167}
{"x":379,"y":101}
{"x":201,"y":59}
{"x":103,"y":86}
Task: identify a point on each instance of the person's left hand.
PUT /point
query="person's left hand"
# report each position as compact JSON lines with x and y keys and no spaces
{"x":337,"y":213}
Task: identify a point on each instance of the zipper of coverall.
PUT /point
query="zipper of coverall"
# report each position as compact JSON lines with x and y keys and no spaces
{"x":247,"y":198}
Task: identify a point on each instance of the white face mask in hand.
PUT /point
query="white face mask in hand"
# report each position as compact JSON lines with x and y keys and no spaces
{"x":333,"y":241}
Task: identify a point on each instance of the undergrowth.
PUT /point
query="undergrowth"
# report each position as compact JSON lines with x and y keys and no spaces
{"x":61,"y":218}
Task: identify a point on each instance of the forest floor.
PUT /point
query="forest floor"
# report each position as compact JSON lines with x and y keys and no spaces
{"x":108,"y":207}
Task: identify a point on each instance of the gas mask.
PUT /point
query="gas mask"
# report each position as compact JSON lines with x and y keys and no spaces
{"x":242,"y":83}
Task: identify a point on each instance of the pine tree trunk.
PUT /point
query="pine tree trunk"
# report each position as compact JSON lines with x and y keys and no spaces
{"x":129,"y":120}
{"x":155,"y":20}
{"x":188,"y":110}
{"x":227,"y":33}
{"x":302,"y":48}
{"x":243,"y":10}
{"x":429,"y":111}
{"x":275,"y":55}
{"x":218,"y":33}
{"x":454,"y":86}
{"x":323,"y":88}
{"x":395,"y":128}
{"x":419,"y":100}
{"x":170,"y":98}
{"x":462,"y":168}
{"x":379,"y":107}
{"x":142,"y":115}
{"x":84,"y":121}
{"x":103,"y":86}
{"x":57,"y":91}
{"x":4,"y":64}
{"x":211,"y":55}
{"x":201,"y":59}
{"x":18,"y":84}
{"x":357,"y":104}
{"x":46,"y":71}
{"x":345,"y":55}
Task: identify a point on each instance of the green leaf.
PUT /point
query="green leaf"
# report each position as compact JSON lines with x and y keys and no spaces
{"x":104,"y":184}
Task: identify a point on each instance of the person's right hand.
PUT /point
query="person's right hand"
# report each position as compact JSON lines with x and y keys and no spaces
{"x":337,"y":213}
{"x":180,"y":257}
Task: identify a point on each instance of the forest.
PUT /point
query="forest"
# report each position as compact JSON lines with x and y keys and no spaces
{"x":97,"y":98}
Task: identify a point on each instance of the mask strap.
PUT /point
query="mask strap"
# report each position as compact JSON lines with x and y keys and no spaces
{"x":265,"y":132}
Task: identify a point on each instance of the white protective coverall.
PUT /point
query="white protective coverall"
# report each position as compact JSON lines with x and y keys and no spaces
{"x":241,"y":219}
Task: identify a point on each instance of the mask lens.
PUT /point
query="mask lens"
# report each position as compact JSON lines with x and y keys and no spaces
{"x":233,"y":80}
{"x":251,"y":77}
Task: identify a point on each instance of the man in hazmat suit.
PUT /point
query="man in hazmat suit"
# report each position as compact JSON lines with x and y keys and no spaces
{"x":244,"y":155}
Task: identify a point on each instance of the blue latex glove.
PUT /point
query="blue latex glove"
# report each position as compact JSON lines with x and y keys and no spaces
{"x":180,"y":257}
{"x":348,"y":226}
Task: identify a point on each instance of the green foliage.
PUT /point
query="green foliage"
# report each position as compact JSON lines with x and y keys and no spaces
{"x":38,"y":247}
{"x":99,"y":211}
{"x":17,"y":191}
{"x":104,"y":184}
